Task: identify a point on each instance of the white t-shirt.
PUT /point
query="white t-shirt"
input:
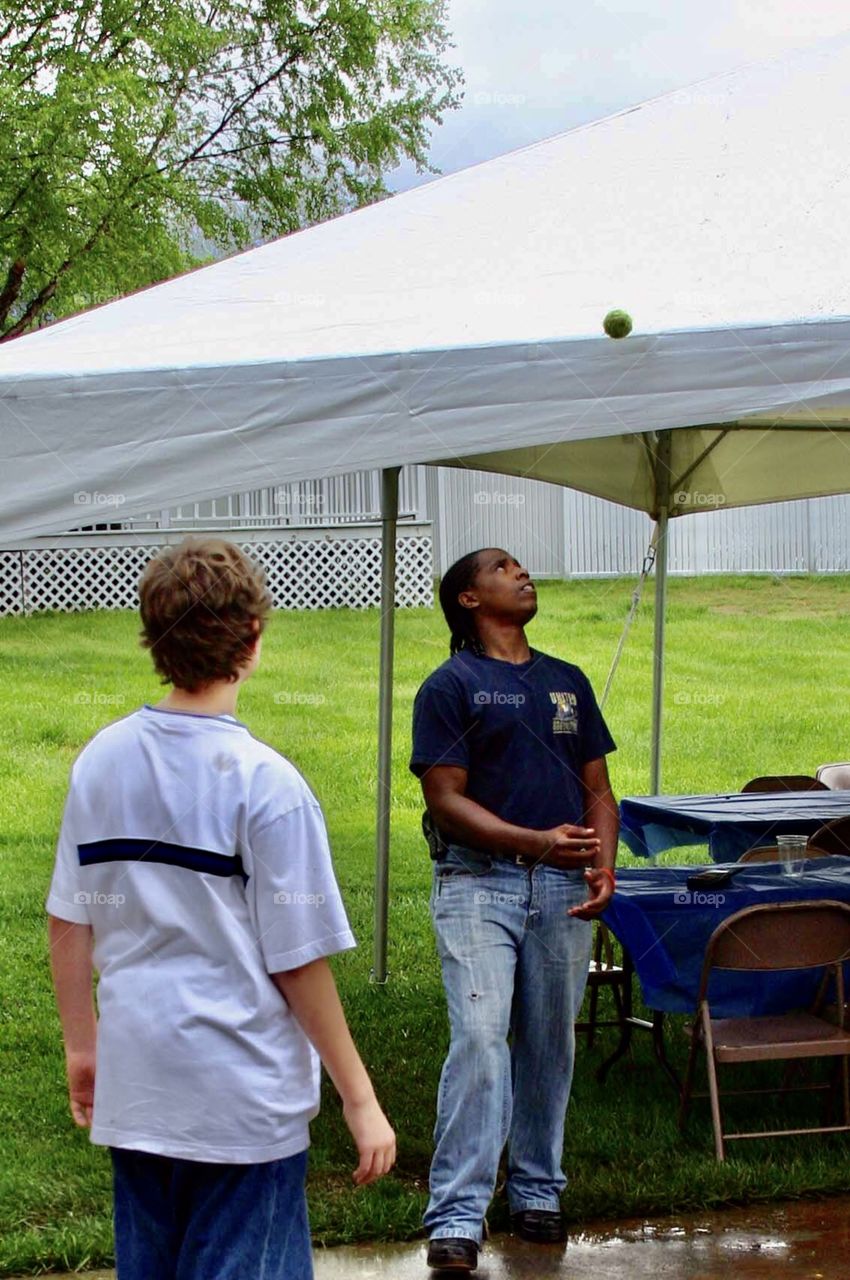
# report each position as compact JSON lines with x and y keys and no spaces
{"x":200,"y":859}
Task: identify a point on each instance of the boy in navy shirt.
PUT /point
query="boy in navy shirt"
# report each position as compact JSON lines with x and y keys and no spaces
{"x":510,"y":748}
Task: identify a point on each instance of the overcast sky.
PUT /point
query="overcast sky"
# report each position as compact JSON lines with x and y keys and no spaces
{"x":539,"y":68}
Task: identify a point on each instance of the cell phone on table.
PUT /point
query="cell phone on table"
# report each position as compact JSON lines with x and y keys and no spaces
{"x":712,"y":877}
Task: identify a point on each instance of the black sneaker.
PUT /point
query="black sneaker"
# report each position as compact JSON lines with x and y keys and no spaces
{"x":452,"y":1253}
{"x":540,"y":1225}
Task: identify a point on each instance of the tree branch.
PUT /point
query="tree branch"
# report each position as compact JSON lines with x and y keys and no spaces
{"x":38,"y":303}
{"x":45,"y":20}
{"x":239,"y":104}
{"x":47,"y":291}
{"x":11,"y":288}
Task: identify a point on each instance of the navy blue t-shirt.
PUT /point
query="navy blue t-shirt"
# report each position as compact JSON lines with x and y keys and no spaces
{"x":521,"y":730}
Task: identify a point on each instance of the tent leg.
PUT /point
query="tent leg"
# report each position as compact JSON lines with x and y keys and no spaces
{"x":658,"y":656}
{"x":389,"y":518}
{"x":662,"y":490}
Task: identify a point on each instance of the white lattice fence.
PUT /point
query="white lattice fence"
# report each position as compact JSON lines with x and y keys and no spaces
{"x":340,"y":574}
{"x":308,"y":573}
{"x":74,"y":578}
{"x":11,"y":581}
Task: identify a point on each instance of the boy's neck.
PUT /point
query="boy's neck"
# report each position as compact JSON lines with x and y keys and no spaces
{"x":505,"y":641}
{"x":216,"y":699}
{"x":219,"y":697}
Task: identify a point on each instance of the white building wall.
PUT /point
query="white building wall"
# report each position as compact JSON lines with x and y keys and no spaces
{"x":601,"y":537}
{"x":558,"y":532}
{"x":471,"y":509}
{"x":554,"y":531}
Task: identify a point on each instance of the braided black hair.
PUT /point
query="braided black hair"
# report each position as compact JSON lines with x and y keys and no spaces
{"x":461,"y":577}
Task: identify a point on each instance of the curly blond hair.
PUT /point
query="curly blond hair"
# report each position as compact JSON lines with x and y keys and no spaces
{"x":202,"y":603}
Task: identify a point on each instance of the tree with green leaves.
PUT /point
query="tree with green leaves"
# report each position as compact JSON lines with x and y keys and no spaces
{"x":134,"y":131}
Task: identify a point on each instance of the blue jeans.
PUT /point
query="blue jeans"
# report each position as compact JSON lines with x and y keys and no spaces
{"x":513,"y":961}
{"x":187,"y":1220}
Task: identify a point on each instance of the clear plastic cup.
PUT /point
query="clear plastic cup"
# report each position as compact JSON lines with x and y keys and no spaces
{"x":792,"y":854}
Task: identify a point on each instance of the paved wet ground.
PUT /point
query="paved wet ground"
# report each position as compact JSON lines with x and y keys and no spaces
{"x":800,"y":1240}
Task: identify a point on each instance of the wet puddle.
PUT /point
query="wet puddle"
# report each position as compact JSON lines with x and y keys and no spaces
{"x":802,"y":1240}
{"x":798,"y":1240}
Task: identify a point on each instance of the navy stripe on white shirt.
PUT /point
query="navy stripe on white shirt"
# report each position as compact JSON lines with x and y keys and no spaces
{"x":122,"y":849}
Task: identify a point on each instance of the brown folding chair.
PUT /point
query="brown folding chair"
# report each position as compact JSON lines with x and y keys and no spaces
{"x":603,"y":972}
{"x":781,"y":935}
{"x":834,"y":837}
{"x":770,"y":853}
{"x":784,"y":782}
{"x":835,"y":776}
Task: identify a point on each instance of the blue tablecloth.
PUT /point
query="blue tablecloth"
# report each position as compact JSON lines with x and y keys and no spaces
{"x":666,"y":930}
{"x":728,"y":823}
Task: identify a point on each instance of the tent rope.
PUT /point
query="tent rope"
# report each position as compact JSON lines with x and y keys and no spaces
{"x":646,"y":570}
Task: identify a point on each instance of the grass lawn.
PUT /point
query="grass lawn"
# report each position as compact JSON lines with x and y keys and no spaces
{"x":757,"y":682}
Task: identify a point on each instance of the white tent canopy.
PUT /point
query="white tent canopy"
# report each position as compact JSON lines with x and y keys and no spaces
{"x":461,"y":323}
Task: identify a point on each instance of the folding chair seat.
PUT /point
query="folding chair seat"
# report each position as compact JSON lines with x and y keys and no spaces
{"x":834,"y":837}
{"x":776,"y":936}
{"x":770,"y":853}
{"x":784,"y":782}
{"x":835,"y":776}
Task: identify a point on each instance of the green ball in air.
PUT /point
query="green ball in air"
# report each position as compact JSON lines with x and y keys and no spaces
{"x":617,"y":324}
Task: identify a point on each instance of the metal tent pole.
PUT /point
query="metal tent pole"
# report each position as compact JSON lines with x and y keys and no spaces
{"x":389,"y":518}
{"x":662,"y":495}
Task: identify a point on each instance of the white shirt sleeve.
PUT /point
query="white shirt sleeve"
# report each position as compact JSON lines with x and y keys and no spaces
{"x":67,"y":899}
{"x":292,"y":891}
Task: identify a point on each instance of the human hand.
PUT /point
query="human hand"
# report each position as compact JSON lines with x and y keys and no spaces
{"x":80,"y":1068}
{"x":567,"y":847}
{"x":600,"y":890}
{"x":374,"y":1138}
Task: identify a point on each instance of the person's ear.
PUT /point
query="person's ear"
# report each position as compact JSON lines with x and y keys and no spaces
{"x":468,"y":600}
{"x":255,"y":627}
